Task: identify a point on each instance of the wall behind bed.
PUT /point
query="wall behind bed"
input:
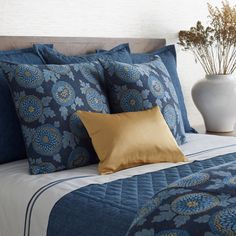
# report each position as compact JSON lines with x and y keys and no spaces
{"x":111,"y":18}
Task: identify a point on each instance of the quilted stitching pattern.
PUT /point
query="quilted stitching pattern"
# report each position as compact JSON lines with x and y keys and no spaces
{"x":112,"y":206}
{"x":139,"y":188}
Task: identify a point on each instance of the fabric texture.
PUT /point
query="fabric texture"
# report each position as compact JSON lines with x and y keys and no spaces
{"x":130,"y":139}
{"x":200,"y":204}
{"x":11,"y":141}
{"x":46,"y":98}
{"x":114,"y":205}
{"x":52,"y":56}
{"x":142,"y":86}
{"x":168,"y":56}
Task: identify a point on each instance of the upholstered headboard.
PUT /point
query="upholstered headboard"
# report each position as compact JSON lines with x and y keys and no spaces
{"x":75,"y":45}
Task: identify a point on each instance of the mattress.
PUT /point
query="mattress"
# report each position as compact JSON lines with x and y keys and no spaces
{"x":33,"y":205}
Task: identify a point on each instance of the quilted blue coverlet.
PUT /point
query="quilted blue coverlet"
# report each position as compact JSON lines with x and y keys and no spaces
{"x":109,"y":209}
{"x":203,"y":204}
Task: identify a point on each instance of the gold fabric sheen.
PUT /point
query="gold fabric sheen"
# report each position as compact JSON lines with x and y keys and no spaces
{"x":130,"y":139}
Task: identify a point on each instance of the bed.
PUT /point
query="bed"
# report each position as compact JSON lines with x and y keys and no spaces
{"x":106,"y":205}
{"x":82,"y":202}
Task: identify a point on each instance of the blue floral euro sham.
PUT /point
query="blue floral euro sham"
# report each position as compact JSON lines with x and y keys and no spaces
{"x":136,"y":87}
{"x":200,"y":204}
{"x":46,"y":98}
{"x":11,"y":140}
{"x":168,"y":56}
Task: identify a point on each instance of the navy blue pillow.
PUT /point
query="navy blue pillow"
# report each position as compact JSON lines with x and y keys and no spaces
{"x":47,"y":98}
{"x":137,"y":87}
{"x":11,"y":142}
{"x":168,"y":56}
{"x":51,"y":56}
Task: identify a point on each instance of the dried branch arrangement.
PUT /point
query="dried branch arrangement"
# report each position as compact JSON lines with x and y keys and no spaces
{"x":214,"y":46}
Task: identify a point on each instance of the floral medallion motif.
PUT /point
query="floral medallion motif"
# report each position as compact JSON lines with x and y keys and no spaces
{"x":156,"y":87}
{"x":30,"y":108}
{"x":192,"y":180}
{"x":131,"y":100}
{"x":223,"y":222}
{"x":194,"y":203}
{"x":63,"y":93}
{"x":28,"y":76}
{"x":170,"y":115}
{"x":78,"y":157}
{"x":127,"y":73}
{"x":47,"y":140}
{"x":94,"y":99}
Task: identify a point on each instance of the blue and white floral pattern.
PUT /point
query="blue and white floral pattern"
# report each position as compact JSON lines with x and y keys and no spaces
{"x":47,"y":140}
{"x":156,"y":87}
{"x":190,"y":206}
{"x":30,"y":108}
{"x":192,"y":180}
{"x":223,"y":222}
{"x":170,"y":116}
{"x":131,"y":100}
{"x":96,"y":100}
{"x":46,"y":99}
{"x":136,"y":87}
{"x":194,"y":203}
{"x":127,"y":73}
{"x":44,"y":167}
{"x":63,"y":70}
{"x":28,"y":76}
{"x":63,"y":93}
{"x":89,"y":71}
{"x":170,"y":85}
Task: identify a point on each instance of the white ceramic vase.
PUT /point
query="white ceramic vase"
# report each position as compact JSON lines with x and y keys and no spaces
{"x":215,"y":98}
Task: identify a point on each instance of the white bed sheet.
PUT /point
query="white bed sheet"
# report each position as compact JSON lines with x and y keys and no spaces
{"x":17,"y":186}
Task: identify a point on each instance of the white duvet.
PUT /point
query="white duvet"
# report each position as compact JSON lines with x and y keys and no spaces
{"x":17,"y":186}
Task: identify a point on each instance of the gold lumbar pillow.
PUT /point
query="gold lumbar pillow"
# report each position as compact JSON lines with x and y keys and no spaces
{"x":130,"y":139}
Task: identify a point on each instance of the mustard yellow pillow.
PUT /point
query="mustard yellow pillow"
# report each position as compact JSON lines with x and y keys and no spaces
{"x":130,"y":139}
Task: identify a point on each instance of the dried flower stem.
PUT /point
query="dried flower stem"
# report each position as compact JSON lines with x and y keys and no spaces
{"x":214,"y":46}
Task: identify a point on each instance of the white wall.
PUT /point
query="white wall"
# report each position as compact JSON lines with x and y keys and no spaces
{"x":111,"y":18}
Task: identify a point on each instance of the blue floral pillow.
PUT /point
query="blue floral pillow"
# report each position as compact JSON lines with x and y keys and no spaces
{"x":142,"y":86}
{"x":168,"y":56}
{"x":46,"y":98}
{"x":11,"y":140}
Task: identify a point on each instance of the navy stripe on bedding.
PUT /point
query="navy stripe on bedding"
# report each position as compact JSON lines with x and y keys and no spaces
{"x":34,"y":198}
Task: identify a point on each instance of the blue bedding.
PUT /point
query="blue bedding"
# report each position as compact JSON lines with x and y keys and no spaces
{"x":203,"y":204}
{"x":110,"y":208}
